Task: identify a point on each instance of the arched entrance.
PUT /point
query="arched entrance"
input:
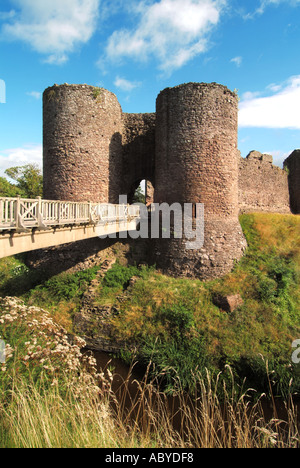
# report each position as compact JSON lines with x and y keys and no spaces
{"x":142,"y":192}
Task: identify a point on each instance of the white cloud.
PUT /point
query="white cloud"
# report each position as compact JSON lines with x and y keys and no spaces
{"x":172,"y":31}
{"x":126,"y":85}
{"x":20,"y":157}
{"x":56,"y":59}
{"x":248,"y":95}
{"x":274,"y":87}
{"x":53,"y":27}
{"x":237,"y":61}
{"x":5,"y":15}
{"x":278,"y":156}
{"x":264,"y":4}
{"x":35,"y":94}
{"x":280,"y":110}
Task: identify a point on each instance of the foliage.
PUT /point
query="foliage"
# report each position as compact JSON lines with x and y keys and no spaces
{"x":7,"y":189}
{"x":60,"y":294}
{"x":36,"y":343}
{"x":29,"y":181}
{"x":177,"y":320}
{"x":68,"y":285}
{"x":267,"y":278}
{"x":118,"y":276}
{"x":175,"y":361}
{"x":37,"y":416}
{"x":16,"y":278}
{"x":97,"y":92}
{"x":174,"y":320}
{"x":139,"y":196}
{"x":117,"y":279}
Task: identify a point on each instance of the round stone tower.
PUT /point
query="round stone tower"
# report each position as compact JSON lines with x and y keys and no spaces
{"x":82,"y":144}
{"x":197,"y":162}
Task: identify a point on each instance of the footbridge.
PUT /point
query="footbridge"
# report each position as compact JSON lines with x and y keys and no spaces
{"x":27,"y":224}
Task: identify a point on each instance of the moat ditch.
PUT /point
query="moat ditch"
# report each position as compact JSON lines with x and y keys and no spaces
{"x":193,"y":415}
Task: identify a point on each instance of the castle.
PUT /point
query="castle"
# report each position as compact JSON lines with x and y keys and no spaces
{"x":187,"y":151}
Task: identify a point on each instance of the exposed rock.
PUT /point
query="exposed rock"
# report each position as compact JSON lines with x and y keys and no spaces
{"x":228,"y":303}
{"x":267,"y":158}
{"x":254,"y":155}
{"x":263,"y":187}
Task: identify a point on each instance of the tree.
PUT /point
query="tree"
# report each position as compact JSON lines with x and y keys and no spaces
{"x":29,"y":180}
{"x":139,"y":196}
{"x":7,"y":189}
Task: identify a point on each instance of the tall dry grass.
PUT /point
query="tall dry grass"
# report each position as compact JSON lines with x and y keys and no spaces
{"x":139,"y":415}
{"x":214,"y":415}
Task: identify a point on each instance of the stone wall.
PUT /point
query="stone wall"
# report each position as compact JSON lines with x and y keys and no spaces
{"x":82,"y":144}
{"x":138,"y":151}
{"x":263,"y":187}
{"x":85,"y":254}
{"x":292,"y":164}
{"x":187,"y":151}
{"x":197,"y":162}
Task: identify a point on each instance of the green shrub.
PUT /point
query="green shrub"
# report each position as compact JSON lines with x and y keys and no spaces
{"x":66,"y":286}
{"x":274,"y":376}
{"x":177,"y":362}
{"x":118,"y":276}
{"x":16,"y":278}
{"x":38,"y":347}
{"x":177,"y":320}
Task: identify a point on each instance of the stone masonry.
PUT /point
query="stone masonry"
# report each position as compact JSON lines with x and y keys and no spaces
{"x":263,"y":187}
{"x":187,"y":151}
{"x":197,"y":162}
{"x":82,"y":144}
{"x":292,"y":165}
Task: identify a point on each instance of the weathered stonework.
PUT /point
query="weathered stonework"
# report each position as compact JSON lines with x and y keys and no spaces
{"x":197,"y":162}
{"x":292,"y":164}
{"x":138,"y":151}
{"x":263,"y":187}
{"x":82,"y":144}
{"x":187,"y":151}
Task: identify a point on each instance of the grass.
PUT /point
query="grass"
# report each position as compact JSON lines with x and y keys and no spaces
{"x":38,"y":419}
{"x":175,"y":321}
{"x":267,"y":278}
{"x":192,"y":344}
{"x":60,"y":294}
{"x":117,"y":280}
{"x":53,"y":396}
{"x":35,"y":418}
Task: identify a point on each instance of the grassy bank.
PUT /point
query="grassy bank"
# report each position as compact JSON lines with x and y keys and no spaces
{"x":175,"y":323}
{"x":190,"y":342}
{"x":53,"y":396}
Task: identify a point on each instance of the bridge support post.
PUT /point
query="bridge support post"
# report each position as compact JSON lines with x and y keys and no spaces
{"x":19,"y":221}
{"x":41,"y":225}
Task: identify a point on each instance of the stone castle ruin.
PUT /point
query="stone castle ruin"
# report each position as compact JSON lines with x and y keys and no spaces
{"x":187,"y":152}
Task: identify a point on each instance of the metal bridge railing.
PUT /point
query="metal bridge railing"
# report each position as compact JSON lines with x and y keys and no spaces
{"x":21,"y":214}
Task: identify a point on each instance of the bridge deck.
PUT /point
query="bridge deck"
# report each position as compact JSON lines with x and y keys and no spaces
{"x":27,"y":224}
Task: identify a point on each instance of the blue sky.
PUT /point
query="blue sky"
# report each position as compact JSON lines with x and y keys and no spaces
{"x":136,"y":48}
